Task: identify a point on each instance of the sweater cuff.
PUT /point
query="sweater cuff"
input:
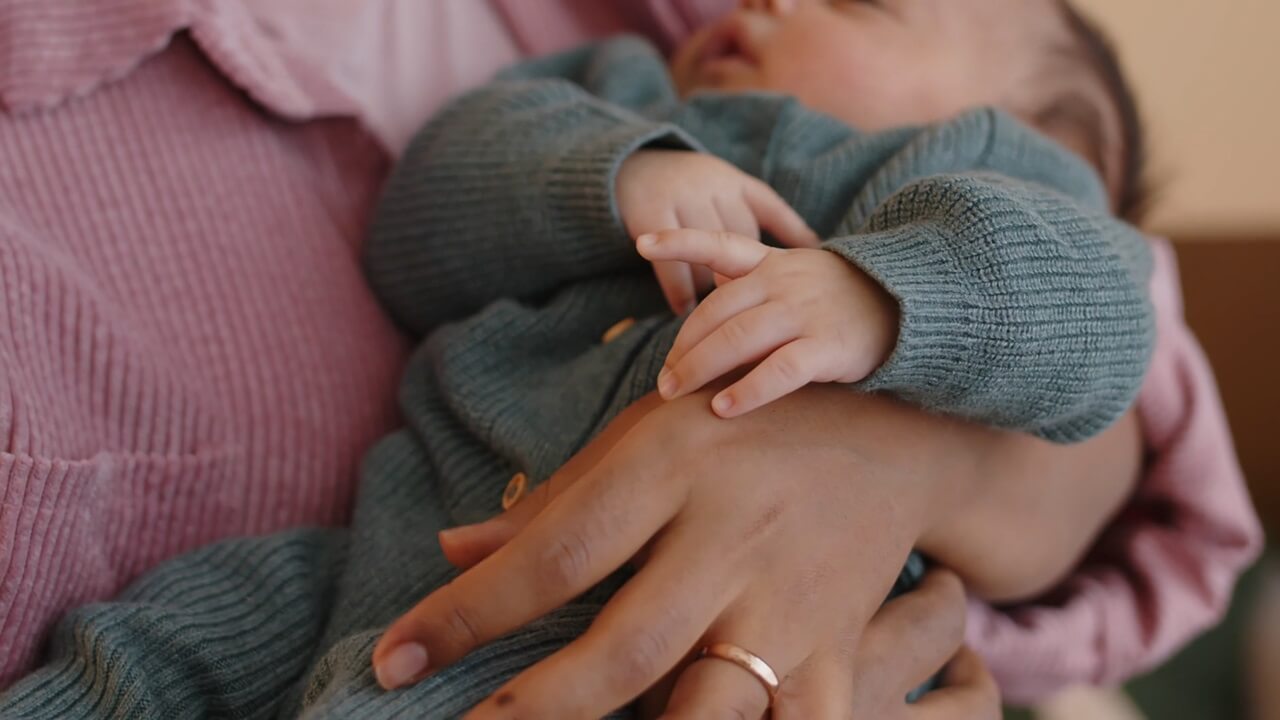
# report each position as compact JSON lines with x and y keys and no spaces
{"x":937,"y":331}
{"x":580,"y":182}
{"x":957,"y":351}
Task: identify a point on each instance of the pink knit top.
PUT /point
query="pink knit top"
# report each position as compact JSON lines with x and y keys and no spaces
{"x":190,"y":351}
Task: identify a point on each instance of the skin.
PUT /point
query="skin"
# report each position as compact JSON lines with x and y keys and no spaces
{"x":877,"y":65}
{"x":794,"y":571}
{"x":797,"y":315}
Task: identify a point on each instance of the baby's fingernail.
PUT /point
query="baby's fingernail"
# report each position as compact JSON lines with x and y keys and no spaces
{"x":722,"y":403}
{"x":401,"y":666}
{"x":667,"y":384}
{"x":646,"y":240}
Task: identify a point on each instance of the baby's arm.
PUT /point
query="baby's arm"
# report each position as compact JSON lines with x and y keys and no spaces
{"x":508,"y":192}
{"x":1021,"y":302}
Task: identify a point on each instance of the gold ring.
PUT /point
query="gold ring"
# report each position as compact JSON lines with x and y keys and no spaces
{"x":747,"y":661}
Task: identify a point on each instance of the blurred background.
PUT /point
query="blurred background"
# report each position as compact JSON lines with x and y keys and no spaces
{"x":1208,"y":75}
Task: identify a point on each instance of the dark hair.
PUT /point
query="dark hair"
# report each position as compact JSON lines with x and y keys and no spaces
{"x":1091,"y":47}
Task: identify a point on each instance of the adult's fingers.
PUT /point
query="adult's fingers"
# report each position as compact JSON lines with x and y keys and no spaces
{"x":713,"y":688}
{"x":742,"y":339}
{"x":820,"y":689}
{"x":775,"y":215}
{"x":912,"y":636}
{"x":641,"y":634}
{"x":724,"y":252}
{"x":587,"y":532}
{"x":970,"y":693}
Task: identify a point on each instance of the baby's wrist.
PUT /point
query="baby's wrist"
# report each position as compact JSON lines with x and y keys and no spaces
{"x":875,"y":315}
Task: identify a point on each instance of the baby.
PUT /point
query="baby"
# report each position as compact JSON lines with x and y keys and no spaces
{"x":874,"y":65}
{"x":970,"y":263}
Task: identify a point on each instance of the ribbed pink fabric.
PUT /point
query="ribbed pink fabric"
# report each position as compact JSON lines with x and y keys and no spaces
{"x":189,"y":350}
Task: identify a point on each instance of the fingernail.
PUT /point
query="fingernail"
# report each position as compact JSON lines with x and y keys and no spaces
{"x":646,"y":240}
{"x":667,"y":383}
{"x":722,"y":404}
{"x":401,"y":666}
{"x":457,"y":534}
{"x":689,"y":306}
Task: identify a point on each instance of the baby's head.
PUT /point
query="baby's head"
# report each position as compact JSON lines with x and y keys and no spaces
{"x":878,"y":64}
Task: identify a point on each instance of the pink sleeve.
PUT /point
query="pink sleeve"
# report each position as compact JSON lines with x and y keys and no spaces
{"x":1166,"y":569}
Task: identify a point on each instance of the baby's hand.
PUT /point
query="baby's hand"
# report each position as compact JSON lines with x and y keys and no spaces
{"x":804,"y":315}
{"x":666,"y":189}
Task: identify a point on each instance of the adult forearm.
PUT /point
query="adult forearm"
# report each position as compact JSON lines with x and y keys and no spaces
{"x":1036,"y":509}
{"x":1010,"y":513}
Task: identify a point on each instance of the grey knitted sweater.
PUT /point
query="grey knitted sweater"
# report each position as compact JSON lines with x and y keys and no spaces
{"x":498,"y":246}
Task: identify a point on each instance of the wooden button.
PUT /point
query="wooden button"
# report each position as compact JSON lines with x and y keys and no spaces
{"x":515,"y":490}
{"x":617,"y":329}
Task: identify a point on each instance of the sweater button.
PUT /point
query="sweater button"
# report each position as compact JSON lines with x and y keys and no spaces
{"x":515,"y":490}
{"x":617,"y":329}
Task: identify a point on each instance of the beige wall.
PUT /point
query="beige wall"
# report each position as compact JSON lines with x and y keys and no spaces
{"x":1208,"y":76}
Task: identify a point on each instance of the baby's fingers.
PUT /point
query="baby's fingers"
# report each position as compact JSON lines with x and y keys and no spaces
{"x":786,"y":370}
{"x":676,"y":281}
{"x":775,"y":215}
{"x":727,"y":301}
{"x":741,"y":340}
{"x":726,"y":253}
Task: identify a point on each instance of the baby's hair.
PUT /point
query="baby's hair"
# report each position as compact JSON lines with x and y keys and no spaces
{"x":1090,"y":47}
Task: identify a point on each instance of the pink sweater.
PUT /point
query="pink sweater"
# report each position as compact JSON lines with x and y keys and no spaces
{"x":191,"y":352}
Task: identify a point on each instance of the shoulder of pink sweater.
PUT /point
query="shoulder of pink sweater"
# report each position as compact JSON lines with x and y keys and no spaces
{"x":171,"y":255}
{"x":1165,"y":569}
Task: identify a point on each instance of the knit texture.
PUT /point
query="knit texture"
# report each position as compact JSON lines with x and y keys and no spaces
{"x":188,"y":348}
{"x":510,"y":375}
{"x":1023,"y":302}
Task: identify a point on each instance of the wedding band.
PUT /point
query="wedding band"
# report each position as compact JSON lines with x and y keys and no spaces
{"x":747,"y":661}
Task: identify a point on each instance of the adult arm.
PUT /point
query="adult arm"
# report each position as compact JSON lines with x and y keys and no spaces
{"x":1164,"y":569}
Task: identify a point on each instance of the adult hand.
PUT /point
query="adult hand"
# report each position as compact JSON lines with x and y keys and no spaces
{"x":776,"y":532}
{"x":869,"y":675}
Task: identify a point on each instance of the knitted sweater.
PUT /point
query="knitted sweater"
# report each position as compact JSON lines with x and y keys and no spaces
{"x":1023,"y":302}
{"x":512,"y":376}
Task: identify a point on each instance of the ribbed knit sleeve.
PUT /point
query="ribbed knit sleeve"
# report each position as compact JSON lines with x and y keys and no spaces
{"x":507,"y":193}
{"x":1022,"y":301}
{"x":1015,"y":308}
